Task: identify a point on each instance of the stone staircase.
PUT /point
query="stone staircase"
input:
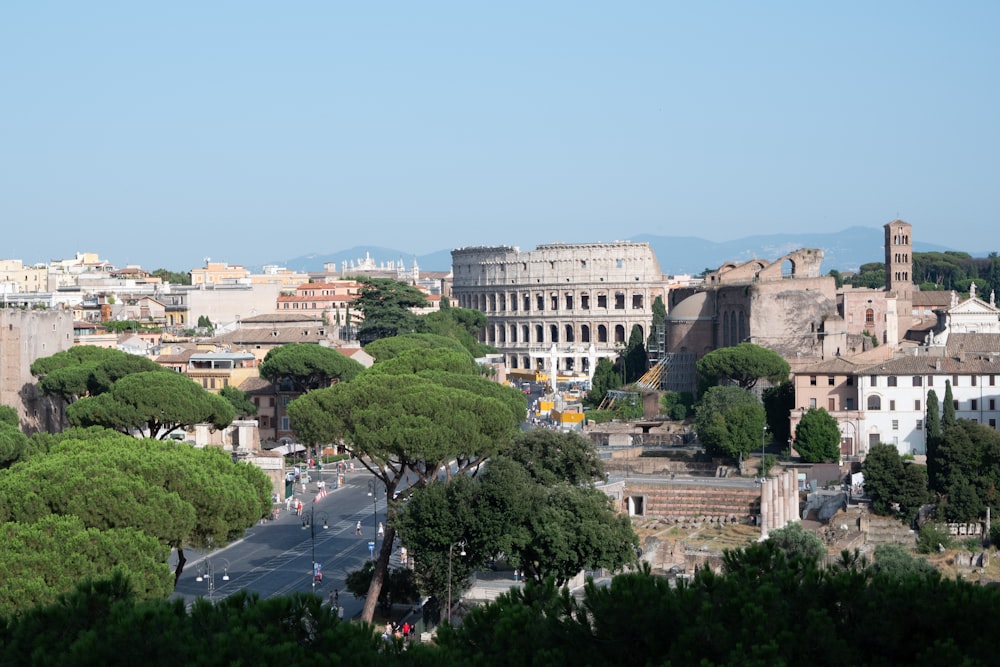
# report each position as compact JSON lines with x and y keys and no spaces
{"x":686,"y":503}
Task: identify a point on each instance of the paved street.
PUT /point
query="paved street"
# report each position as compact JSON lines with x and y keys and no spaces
{"x":275,"y":558}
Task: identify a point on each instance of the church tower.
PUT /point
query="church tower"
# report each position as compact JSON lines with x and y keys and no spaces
{"x":899,"y":259}
{"x":898,"y":280}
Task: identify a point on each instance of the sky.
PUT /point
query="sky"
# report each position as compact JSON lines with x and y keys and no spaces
{"x":253,"y":132}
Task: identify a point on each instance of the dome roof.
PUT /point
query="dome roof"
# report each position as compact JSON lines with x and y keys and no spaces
{"x":698,"y":306}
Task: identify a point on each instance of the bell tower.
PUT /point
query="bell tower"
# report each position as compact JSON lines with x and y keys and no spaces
{"x":899,"y":259}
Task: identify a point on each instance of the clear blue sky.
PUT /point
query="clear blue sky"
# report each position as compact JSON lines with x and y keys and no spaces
{"x":252,"y":132}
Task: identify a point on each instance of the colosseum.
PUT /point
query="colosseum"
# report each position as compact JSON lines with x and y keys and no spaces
{"x":562,"y":307}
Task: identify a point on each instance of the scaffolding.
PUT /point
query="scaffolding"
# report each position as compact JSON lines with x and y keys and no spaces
{"x":615,"y":396}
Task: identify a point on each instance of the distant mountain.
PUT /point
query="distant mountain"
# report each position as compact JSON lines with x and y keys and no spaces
{"x":845,"y":250}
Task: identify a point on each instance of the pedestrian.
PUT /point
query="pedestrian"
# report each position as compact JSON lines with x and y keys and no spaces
{"x":299,"y":508}
{"x":340,"y":613}
{"x":406,"y":630}
{"x":336,"y":597}
{"x":357,"y":529}
{"x":402,"y":555}
{"x":381,"y":529}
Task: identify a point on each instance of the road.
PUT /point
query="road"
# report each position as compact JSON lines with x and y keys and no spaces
{"x":275,"y":558}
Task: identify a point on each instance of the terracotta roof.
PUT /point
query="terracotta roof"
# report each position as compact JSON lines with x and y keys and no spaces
{"x":939,"y":298}
{"x":837,"y":366}
{"x":284,"y":317}
{"x":264,"y":336}
{"x":924,"y":364}
{"x":255,"y":384}
{"x":969,"y":343}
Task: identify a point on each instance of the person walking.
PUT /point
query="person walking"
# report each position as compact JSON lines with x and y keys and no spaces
{"x":357,"y":529}
{"x":381,"y":529}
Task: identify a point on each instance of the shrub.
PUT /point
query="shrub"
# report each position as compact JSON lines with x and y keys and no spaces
{"x":932,"y":535}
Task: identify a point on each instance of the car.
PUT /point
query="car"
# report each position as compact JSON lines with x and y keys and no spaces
{"x":289,"y":476}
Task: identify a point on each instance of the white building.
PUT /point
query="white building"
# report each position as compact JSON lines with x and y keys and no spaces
{"x":963,"y":350}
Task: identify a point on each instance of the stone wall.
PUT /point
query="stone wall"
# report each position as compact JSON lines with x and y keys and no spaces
{"x":686,"y":503}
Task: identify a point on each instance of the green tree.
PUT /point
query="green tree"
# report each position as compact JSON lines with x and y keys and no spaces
{"x":173,"y":277}
{"x":658,"y":324}
{"x":205,"y":323}
{"x":797,"y":542}
{"x":778,"y":403}
{"x":302,"y":367}
{"x":49,"y":557}
{"x":948,"y":408}
{"x":9,"y":416}
{"x":817,"y":437}
{"x":460,"y":324}
{"x":883,"y":470}
{"x":635,"y":357}
{"x":605,"y":378}
{"x":240,"y":400}
{"x":551,"y":456}
{"x":154,"y":404}
{"x":385,"y":349}
{"x":405,"y":427}
{"x":441,"y":359}
{"x":86,"y":370}
{"x":893,"y":560}
{"x":181,"y":495}
{"x":400,"y":585}
{"x":387,"y":306}
{"x":933,"y":435}
{"x":743,"y":364}
{"x":729,"y":421}
{"x":14,"y":444}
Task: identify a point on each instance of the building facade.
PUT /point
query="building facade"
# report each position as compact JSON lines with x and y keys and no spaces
{"x":558,"y":309}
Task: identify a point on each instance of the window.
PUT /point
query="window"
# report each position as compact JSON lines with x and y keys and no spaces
{"x":636,"y":302}
{"x":955,"y":404}
{"x":602,"y":300}
{"x":569,"y":302}
{"x":619,"y":301}
{"x":891,"y":381}
{"x":527,"y":302}
{"x":892,"y":406}
{"x":812,"y":402}
{"x":917,"y":380}
{"x":993,"y":423}
{"x":848,"y":403}
{"x":930,"y":380}
{"x":831,"y":404}
{"x":895,"y":424}
{"x":874,"y":403}
{"x":916,"y":405}
{"x":993,"y":380}
{"x":975,"y":404}
{"x":993,"y":404}
{"x":954,"y":380}
{"x":585,"y":301}
{"x":874,"y":380}
{"x":974,"y":379}
{"x":850,"y":380}
{"x":870,"y":318}
{"x":285,"y":400}
{"x":555,"y":302}
{"x":920,"y":424}
{"x":284,"y":423}
{"x":812,"y":380}
{"x":539,"y":302}
{"x":831,"y":381}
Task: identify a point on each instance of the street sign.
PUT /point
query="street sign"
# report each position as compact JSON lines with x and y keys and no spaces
{"x":371,"y":547}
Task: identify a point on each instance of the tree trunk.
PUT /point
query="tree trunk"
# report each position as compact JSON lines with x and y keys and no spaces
{"x":180,"y":564}
{"x":378,"y":576}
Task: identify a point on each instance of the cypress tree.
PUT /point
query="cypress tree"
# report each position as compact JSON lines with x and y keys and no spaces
{"x":948,"y":409}
{"x":933,"y":435}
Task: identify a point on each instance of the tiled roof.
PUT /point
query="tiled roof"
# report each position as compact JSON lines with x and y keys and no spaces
{"x":932,"y":365}
{"x":837,"y":366}
{"x":968,"y":343}
{"x":255,"y":384}
{"x":939,"y":298}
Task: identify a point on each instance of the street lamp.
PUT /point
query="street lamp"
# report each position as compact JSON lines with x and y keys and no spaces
{"x":451,"y":551}
{"x":207,"y":574}
{"x":310,"y":523}
{"x":763,"y":442}
{"x":373,"y":490}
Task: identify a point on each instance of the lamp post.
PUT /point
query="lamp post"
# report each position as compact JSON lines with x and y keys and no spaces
{"x":373,"y":490}
{"x":310,"y":523}
{"x":451,"y":551}
{"x":763,"y":443}
{"x":207,"y":574}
